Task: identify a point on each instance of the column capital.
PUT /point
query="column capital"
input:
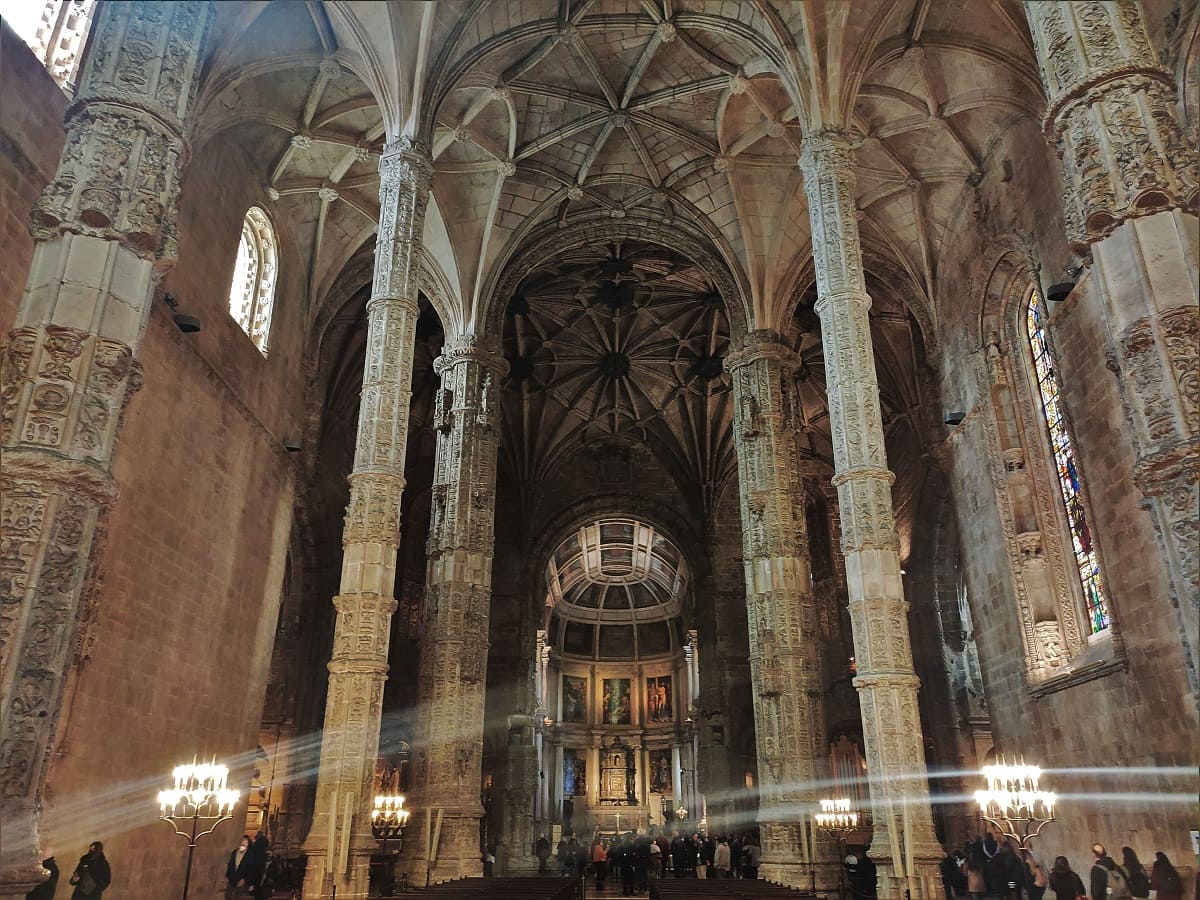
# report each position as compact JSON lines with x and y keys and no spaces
{"x":761,"y":344}
{"x":1112,"y":117}
{"x":483,"y":351}
{"x":406,"y":159}
{"x":118,"y":176}
{"x":827,"y":151}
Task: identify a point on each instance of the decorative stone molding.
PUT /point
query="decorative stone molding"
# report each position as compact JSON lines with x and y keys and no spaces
{"x":358,"y":668}
{"x":68,"y":371}
{"x":886,"y":682}
{"x":118,"y":176}
{"x":1111,"y":115}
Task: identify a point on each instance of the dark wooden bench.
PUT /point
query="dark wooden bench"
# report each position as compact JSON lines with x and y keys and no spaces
{"x":506,"y":889}
{"x":733,"y":888}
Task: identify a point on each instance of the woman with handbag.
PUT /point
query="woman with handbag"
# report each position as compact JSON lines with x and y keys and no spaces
{"x":1035,"y":878}
{"x":1065,"y":882}
{"x":92,"y":875}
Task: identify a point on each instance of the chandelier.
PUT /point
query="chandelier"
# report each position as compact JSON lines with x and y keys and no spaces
{"x":836,"y":815}
{"x":1014,"y":801}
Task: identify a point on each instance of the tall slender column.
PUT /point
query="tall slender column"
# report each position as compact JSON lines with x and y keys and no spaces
{"x":1131,"y":182}
{"x":340,"y":844}
{"x":454,"y":651}
{"x":886,"y":683}
{"x":105,"y":233}
{"x":785,"y":665}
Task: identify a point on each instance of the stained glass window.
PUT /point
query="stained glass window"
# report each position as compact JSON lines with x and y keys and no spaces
{"x":1064,"y":461}
{"x":252,"y":293}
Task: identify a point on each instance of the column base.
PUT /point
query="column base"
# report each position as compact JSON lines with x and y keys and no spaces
{"x":17,"y":881}
{"x":924,"y":884}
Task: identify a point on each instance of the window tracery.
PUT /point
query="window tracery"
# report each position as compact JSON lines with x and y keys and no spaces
{"x":252,"y":292}
{"x":1084,"y":549}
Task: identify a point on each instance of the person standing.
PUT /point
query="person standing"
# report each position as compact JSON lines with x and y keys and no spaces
{"x":1135,"y":874}
{"x":721,"y":857}
{"x":1064,"y":881}
{"x":541,"y":849}
{"x":1036,"y":878}
{"x":600,"y":863}
{"x":240,"y":870}
{"x":92,"y":875}
{"x":976,"y":866}
{"x":753,"y":855}
{"x":1164,"y":879}
{"x":1099,"y":875}
{"x":45,"y":890}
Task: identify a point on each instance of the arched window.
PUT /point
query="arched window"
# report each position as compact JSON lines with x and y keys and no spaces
{"x":1064,"y":462}
{"x":252,"y":293}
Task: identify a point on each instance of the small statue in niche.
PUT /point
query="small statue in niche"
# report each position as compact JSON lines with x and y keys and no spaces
{"x":483,"y":414}
{"x":750,"y":422}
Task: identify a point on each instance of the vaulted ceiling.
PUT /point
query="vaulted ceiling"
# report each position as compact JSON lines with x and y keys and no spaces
{"x":629,"y":121}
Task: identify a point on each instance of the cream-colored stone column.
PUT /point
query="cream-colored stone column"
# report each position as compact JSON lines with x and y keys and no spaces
{"x":453,"y":667}
{"x":1131,"y":182}
{"x":105,"y":233}
{"x":886,"y":683}
{"x":340,"y":844}
{"x":785,"y":660}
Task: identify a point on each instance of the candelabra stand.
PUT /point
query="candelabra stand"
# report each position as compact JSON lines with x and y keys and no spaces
{"x":388,"y":818}
{"x":836,"y":819}
{"x":1014,"y":802}
{"x":199,"y":794}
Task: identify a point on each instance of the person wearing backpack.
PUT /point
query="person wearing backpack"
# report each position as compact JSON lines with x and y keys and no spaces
{"x":1099,"y":874}
{"x":1118,"y":880}
{"x":1135,"y":874}
{"x":1164,"y":880}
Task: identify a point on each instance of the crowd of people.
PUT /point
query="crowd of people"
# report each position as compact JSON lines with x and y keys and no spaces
{"x":633,"y":857}
{"x":990,"y":867}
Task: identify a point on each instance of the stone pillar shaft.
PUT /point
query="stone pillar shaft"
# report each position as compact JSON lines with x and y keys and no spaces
{"x":785,"y":661}
{"x":453,"y":668}
{"x":1131,"y":179}
{"x":340,"y":844}
{"x":886,"y":682}
{"x":105,"y":233}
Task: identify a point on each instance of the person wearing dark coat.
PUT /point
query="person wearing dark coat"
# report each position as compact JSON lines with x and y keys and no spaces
{"x":1099,"y":876}
{"x":45,"y":890}
{"x":1010,"y":872}
{"x":92,"y":875}
{"x":1066,"y":884}
{"x":1164,"y":879}
{"x":240,"y":870}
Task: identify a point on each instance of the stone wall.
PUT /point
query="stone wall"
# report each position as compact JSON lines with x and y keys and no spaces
{"x":31,"y":137}
{"x":1138,"y":711}
{"x":177,"y":632}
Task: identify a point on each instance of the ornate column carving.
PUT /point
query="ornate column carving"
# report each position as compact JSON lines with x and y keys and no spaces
{"x":785,"y":662}
{"x":453,"y":668}
{"x":340,"y":844}
{"x":886,"y":682}
{"x":1131,"y":183}
{"x":105,"y":233}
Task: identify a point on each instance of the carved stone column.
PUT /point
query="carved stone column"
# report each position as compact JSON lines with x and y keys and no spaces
{"x":453,"y":669}
{"x":340,"y":844}
{"x":785,"y":662}
{"x":886,"y":682}
{"x":105,"y":233}
{"x":1131,"y":183}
